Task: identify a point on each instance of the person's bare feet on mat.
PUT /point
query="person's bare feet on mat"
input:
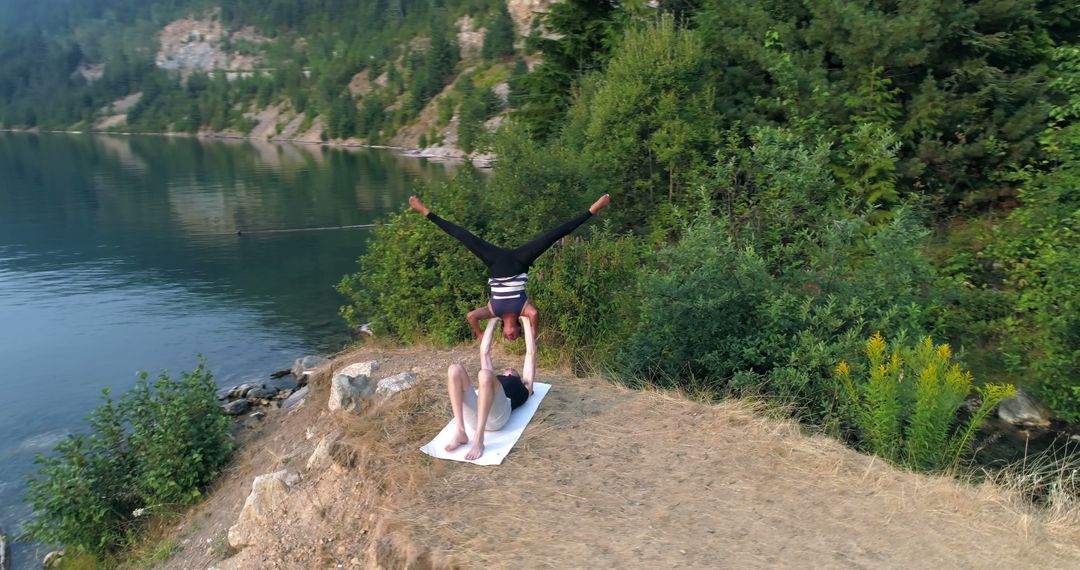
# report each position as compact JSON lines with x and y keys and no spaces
{"x":475,"y":452}
{"x":460,"y":439}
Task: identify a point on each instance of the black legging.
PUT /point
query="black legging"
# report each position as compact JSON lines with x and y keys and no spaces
{"x":503,"y":262}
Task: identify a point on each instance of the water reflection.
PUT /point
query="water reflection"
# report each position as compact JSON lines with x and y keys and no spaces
{"x":121,"y":253}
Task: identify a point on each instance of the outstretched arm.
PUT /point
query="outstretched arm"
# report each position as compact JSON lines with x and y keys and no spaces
{"x":528,"y":374}
{"x":485,"y":346}
{"x":529,"y":252}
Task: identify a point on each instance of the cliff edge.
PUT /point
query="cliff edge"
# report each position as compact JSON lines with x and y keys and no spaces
{"x":604,"y":476}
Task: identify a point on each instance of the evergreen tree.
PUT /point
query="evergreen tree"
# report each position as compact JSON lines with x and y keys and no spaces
{"x":582,"y":30}
{"x":518,"y":89}
{"x":499,"y":39}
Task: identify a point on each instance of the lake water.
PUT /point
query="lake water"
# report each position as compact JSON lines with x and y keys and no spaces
{"x":120,"y":254}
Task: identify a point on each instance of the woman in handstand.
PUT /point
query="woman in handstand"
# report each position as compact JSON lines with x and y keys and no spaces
{"x":508,"y":268}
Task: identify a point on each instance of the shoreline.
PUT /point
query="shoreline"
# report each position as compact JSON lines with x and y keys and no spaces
{"x":485,"y":161}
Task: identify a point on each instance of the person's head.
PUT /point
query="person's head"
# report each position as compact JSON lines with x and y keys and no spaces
{"x":511,"y":330}
{"x":510,"y":371}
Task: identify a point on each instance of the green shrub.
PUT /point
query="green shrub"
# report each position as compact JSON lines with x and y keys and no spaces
{"x":700,"y":307}
{"x":1039,"y":248}
{"x":586,"y":294}
{"x":415,"y":281}
{"x":905,"y":406}
{"x":85,"y":493}
{"x":149,"y":452}
{"x":179,"y":437}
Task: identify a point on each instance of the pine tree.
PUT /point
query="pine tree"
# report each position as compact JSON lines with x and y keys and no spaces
{"x":499,"y":39}
{"x":582,"y":31}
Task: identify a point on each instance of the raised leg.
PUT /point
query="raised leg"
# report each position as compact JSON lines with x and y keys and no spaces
{"x":457,"y":381}
{"x":528,"y":253}
{"x":480,"y":248}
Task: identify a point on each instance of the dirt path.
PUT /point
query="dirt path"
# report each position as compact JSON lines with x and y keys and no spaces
{"x":613,"y":478}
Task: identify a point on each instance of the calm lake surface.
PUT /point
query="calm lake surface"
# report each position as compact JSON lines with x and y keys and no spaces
{"x":120,"y":254}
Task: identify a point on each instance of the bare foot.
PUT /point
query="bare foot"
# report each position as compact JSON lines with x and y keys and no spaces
{"x":460,"y":439}
{"x":600,"y":204}
{"x":476,"y":451}
{"x":419,"y":206}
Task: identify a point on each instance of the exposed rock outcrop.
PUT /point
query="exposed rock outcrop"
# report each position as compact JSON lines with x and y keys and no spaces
{"x":268,"y":494}
{"x":189,"y":45}
{"x":347,"y":392}
{"x":392,"y":385}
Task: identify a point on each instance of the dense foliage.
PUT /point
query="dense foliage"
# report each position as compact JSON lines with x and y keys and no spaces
{"x":779,"y":173}
{"x":151,"y":452}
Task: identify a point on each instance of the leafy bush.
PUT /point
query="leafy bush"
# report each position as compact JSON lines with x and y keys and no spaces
{"x":151,"y":451}
{"x":414,"y":280}
{"x":1039,"y":248}
{"x":699,"y":309}
{"x":905,"y":406}
{"x":417,"y":282}
{"x":179,"y":438}
{"x":587,"y":299}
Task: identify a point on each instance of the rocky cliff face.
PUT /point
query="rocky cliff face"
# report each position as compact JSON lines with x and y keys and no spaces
{"x":190,"y":45}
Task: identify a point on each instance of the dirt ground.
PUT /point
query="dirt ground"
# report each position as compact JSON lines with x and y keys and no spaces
{"x":603,"y":477}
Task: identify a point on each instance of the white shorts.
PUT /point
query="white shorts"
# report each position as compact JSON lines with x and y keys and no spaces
{"x":500,"y":408}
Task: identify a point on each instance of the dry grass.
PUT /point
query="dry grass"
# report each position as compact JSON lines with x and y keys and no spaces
{"x":607,"y":476}
{"x":1047,"y":484}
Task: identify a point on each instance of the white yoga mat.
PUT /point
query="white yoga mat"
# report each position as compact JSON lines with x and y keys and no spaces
{"x":496,"y":443}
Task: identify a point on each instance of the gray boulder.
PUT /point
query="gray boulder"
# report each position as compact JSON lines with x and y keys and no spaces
{"x":346,"y":392}
{"x":360,"y":369}
{"x":295,"y":398}
{"x":238,"y":391}
{"x":1025,"y":410}
{"x":389,"y":386}
{"x":322,"y":457}
{"x":262,"y":393}
{"x":302,"y":365}
{"x":268,"y":495}
{"x":53,"y":559}
{"x":237,"y":407}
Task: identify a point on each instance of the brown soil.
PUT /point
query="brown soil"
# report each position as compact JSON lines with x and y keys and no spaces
{"x":603,"y":477}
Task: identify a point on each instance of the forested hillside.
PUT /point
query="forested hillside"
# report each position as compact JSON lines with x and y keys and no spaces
{"x":356,"y":70}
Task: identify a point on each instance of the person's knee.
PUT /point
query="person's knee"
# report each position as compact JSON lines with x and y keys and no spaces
{"x":455,"y":370}
{"x":486,"y":379}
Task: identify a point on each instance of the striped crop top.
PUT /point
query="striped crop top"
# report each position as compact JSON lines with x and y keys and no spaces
{"x":510,"y":287}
